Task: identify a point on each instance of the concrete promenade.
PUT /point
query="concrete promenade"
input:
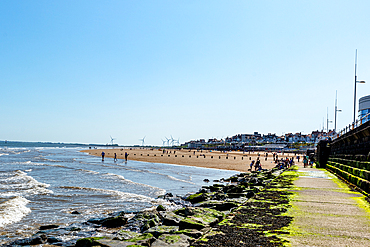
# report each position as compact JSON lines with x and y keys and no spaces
{"x":326,"y":212}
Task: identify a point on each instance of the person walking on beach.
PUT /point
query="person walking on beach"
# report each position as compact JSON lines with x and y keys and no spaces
{"x":251,"y":165}
{"x":126,"y":154}
{"x":257,"y":165}
{"x":305,"y":162}
{"x":102,"y":156}
{"x":115,"y":157}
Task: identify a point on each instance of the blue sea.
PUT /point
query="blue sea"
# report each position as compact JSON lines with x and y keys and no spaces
{"x":42,"y":183}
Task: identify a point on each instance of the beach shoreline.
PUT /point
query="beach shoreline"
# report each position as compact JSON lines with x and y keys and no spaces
{"x":233,"y":160}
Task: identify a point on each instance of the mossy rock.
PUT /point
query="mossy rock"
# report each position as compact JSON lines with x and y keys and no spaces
{"x":197,"y":197}
{"x":113,"y":222}
{"x":161,"y":208}
{"x":220,"y":196}
{"x":193,"y":233}
{"x":160,"y":230}
{"x":197,"y":212}
{"x":125,"y":235}
{"x":198,"y":218}
{"x":170,"y":218}
{"x":233,"y":189}
{"x":143,"y":239}
{"x":218,"y":205}
{"x":215,"y":188}
{"x":116,"y":243}
{"x":146,"y":220}
{"x":88,"y":242}
{"x":189,"y":223}
{"x":178,"y":240}
{"x":148,"y":224}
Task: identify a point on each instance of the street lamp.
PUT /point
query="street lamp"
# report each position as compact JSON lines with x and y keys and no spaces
{"x":336,"y":110}
{"x":327,"y":121}
{"x":356,"y":81}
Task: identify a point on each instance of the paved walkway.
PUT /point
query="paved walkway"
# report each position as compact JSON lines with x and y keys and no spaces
{"x":326,"y":212}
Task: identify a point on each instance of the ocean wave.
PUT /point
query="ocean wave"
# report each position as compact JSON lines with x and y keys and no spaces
{"x":18,"y":183}
{"x":88,"y":171}
{"x":161,"y":174}
{"x":125,"y":196}
{"x":27,"y":163}
{"x":160,"y":191}
{"x":170,"y":177}
{"x":13,"y":210}
{"x":7,"y":151}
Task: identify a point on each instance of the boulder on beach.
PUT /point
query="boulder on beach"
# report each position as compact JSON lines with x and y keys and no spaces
{"x":218,"y":205}
{"x":170,"y":218}
{"x":157,"y":231}
{"x":198,"y":218}
{"x":199,"y":197}
{"x":177,"y":240}
{"x":113,"y":222}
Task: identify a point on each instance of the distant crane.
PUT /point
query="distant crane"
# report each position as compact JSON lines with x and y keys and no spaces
{"x":142,"y":141}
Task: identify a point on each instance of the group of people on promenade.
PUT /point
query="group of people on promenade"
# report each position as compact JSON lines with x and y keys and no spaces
{"x":308,"y":161}
{"x":283,"y":162}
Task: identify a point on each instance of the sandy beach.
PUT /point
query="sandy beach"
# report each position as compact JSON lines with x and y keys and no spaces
{"x":234,"y":160}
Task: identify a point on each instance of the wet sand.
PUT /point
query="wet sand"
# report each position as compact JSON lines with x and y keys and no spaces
{"x":237,"y":161}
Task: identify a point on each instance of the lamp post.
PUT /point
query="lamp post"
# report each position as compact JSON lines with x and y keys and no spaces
{"x":354,"y":100}
{"x":335,"y":115}
{"x":327,"y":121}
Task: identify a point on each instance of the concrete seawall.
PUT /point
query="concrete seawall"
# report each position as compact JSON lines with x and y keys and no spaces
{"x":348,"y":156}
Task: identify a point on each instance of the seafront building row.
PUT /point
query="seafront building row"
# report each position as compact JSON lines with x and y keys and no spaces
{"x":273,"y":140}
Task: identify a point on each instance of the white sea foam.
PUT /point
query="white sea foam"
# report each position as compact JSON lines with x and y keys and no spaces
{"x":89,"y":171}
{"x":170,"y":177}
{"x":13,"y":210}
{"x":124,"y":196}
{"x":177,"y":179}
{"x":18,"y":183}
{"x":28,"y":163}
{"x":160,"y":190}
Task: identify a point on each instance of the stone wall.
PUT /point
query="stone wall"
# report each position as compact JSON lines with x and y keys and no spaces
{"x":349,"y":157}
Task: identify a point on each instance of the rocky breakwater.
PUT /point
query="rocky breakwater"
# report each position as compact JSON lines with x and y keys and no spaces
{"x":197,"y":217}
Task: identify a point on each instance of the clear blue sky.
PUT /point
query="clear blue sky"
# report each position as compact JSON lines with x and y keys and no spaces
{"x":80,"y":71}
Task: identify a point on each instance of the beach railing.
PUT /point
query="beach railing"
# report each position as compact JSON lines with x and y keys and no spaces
{"x":351,"y":126}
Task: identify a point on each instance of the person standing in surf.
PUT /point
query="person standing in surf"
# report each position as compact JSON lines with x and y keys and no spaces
{"x":102,"y":156}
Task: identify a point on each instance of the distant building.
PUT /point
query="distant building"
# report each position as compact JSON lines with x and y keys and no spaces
{"x":364,"y":107}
